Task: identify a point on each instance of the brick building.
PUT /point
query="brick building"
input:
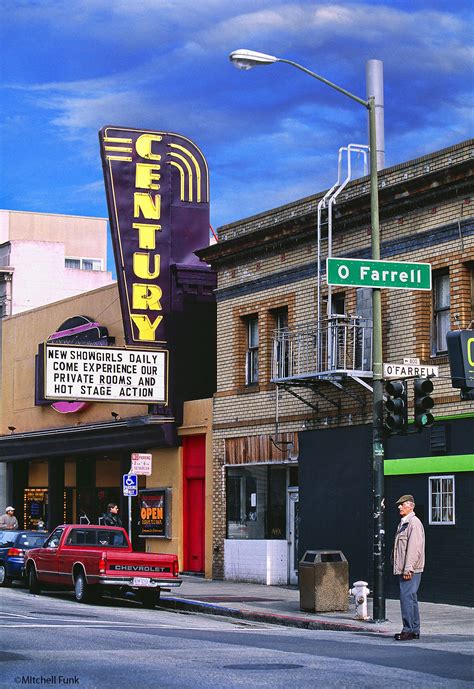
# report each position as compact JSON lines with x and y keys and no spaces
{"x":293,"y":407}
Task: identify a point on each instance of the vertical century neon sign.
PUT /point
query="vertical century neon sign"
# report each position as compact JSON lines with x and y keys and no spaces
{"x":157,"y":187}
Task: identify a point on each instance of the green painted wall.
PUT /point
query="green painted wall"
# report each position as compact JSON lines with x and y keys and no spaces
{"x":429,"y":465}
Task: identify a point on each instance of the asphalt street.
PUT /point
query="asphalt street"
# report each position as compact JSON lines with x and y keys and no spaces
{"x":50,"y":640}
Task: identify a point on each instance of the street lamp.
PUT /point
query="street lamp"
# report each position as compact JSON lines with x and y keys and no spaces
{"x":246,"y":59}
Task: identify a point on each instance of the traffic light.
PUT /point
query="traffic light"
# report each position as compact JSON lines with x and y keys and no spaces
{"x":423,"y":403}
{"x":396,"y":406}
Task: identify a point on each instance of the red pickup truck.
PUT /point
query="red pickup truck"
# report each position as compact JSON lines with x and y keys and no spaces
{"x":95,"y":559}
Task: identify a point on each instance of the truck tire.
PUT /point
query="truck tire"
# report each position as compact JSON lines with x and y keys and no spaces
{"x":149,"y":597}
{"x":4,"y":579}
{"x":82,"y":590}
{"x":33,"y":583}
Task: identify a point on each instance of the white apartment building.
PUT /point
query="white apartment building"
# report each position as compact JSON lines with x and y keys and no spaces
{"x":46,"y":258}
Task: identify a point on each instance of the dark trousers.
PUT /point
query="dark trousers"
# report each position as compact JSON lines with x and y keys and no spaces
{"x":409,"y":603}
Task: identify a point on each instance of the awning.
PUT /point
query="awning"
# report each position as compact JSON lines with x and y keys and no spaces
{"x":138,"y":433}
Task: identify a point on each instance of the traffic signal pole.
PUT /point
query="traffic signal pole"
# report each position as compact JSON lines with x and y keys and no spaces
{"x":378,"y":452}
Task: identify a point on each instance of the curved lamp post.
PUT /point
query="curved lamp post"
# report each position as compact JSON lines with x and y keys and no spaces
{"x":246,"y":59}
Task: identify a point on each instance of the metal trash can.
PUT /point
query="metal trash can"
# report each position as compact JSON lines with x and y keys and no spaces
{"x":324,"y":581}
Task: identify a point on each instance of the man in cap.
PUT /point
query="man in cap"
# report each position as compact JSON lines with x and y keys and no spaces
{"x":408,"y":557}
{"x":8,"y":520}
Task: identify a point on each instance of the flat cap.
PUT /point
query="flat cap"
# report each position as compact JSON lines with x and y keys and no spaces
{"x":405,"y":498}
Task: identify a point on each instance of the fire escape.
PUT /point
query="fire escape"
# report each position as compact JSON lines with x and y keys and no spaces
{"x":334,"y":348}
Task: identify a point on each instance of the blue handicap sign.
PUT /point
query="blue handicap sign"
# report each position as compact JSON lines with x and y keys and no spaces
{"x":130,"y":484}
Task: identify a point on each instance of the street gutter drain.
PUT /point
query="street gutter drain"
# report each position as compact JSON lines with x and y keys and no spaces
{"x":65,"y":616}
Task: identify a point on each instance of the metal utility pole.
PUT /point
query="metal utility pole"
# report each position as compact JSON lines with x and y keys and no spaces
{"x":246,"y":59}
{"x":377,"y":368}
{"x":374,"y":87}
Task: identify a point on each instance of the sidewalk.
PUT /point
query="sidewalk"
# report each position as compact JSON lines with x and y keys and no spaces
{"x":280,"y":605}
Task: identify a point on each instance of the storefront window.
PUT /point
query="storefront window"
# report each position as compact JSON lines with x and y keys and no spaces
{"x":35,"y":505}
{"x":256,"y":502}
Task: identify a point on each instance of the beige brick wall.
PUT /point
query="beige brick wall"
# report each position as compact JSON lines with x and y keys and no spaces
{"x":407,"y":315}
{"x":396,"y":176}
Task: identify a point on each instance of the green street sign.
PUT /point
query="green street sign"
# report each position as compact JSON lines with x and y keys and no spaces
{"x":355,"y":272}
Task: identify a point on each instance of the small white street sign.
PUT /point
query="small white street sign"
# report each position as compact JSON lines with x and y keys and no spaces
{"x":141,"y":463}
{"x":409,"y":371}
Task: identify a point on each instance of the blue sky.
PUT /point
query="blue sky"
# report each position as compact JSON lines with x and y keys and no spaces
{"x":270,"y":135}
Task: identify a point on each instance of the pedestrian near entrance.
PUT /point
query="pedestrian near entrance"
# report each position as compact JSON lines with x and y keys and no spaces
{"x":8,"y":520}
{"x":408,"y":558}
{"x":111,"y":517}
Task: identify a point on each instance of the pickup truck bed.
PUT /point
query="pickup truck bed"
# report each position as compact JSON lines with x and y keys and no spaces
{"x":91,"y":560}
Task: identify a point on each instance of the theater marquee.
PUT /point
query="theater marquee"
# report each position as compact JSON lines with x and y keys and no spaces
{"x":157,"y":189}
{"x":105,"y":374}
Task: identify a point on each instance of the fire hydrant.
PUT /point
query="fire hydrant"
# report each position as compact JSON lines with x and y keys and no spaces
{"x":360,"y":592}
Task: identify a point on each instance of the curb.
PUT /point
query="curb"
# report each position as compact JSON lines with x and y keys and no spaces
{"x":266,"y":617}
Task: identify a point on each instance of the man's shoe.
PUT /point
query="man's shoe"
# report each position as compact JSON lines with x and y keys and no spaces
{"x":406,"y":636}
{"x":416,"y":635}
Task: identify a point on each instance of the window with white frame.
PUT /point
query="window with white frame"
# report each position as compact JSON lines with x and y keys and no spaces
{"x":91,"y":264}
{"x":441,"y":312}
{"x":441,"y":496}
{"x":83,"y":263}
{"x":281,"y":343}
{"x":251,"y":362}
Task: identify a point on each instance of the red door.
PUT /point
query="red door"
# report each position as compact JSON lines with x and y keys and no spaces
{"x":194,"y":464}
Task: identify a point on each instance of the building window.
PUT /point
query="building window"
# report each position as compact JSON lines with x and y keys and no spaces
{"x":256,"y":502}
{"x":91,"y":264}
{"x":441,"y":496}
{"x":281,"y":353}
{"x":441,"y":312}
{"x":339,"y":304}
{"x":3,"y":298}
{"x":83,"y":263}
{"x":251,"y":361}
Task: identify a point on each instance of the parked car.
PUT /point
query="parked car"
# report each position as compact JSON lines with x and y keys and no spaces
{"x":13,"y":545}
{"x":92,"y":559}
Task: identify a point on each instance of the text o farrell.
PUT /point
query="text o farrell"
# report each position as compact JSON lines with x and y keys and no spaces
{"x":355,"y":272}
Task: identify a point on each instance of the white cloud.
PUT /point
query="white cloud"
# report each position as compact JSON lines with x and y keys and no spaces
{"x":434,"y":39}
{"x":170,"y":72}
{"x":394,"y":35}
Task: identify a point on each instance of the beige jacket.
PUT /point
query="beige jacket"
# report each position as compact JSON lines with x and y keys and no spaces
{"x":8,"y":521}
{"x":408,"y":553}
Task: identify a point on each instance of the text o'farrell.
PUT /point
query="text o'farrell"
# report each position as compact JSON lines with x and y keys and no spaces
{"x":357,"y":272}
{"x":343,"y":272}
